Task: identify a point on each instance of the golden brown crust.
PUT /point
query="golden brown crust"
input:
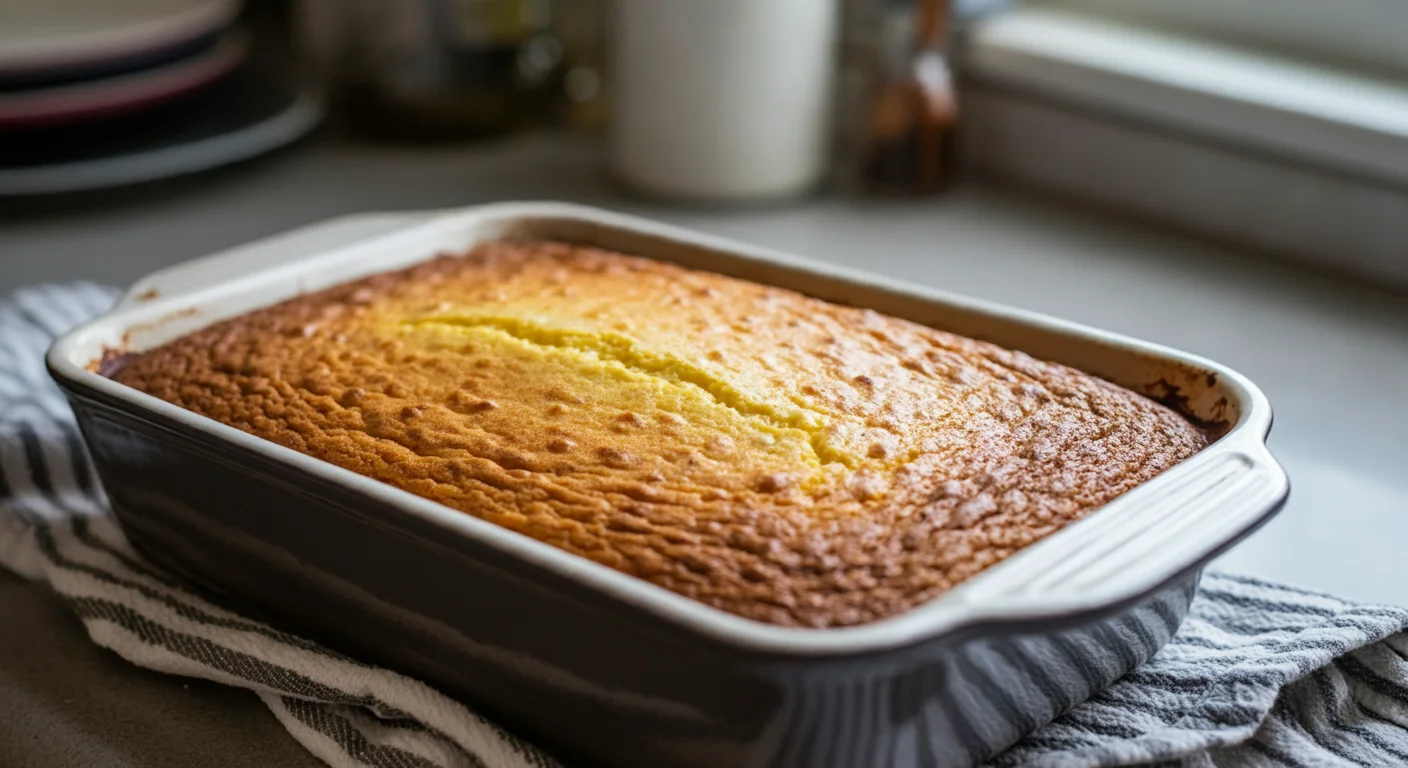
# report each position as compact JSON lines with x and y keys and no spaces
{"x":769,"y":454}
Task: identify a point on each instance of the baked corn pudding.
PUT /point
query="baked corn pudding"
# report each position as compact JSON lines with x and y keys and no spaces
{"x":769,"y":454}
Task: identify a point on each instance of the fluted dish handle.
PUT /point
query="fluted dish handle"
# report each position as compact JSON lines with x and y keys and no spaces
{"x":1150,"y":534}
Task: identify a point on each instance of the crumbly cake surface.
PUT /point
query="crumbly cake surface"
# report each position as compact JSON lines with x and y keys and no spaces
{"x":773,"y":455}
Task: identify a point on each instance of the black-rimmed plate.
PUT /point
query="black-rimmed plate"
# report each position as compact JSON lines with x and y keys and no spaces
{"x":108,"y":97}
{"x":46,"y":42}
{"x":262,"y":105}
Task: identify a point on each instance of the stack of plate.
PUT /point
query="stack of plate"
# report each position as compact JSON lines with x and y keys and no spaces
{"x":97,"y":93}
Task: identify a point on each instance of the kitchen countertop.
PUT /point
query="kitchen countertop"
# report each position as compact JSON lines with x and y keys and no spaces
{"x":1332,"y":356}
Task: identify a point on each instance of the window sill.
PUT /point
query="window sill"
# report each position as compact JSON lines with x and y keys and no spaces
{"x":1290,"y":157}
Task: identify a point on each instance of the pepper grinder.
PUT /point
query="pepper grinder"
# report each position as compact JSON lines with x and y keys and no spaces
{"x":909,"y":147}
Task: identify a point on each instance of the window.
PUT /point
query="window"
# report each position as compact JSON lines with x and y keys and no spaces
{"x":1368,"y":34}
{"x":1282,"y":124}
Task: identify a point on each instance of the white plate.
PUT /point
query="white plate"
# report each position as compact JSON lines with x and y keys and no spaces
{"x":125,"y":93}
{"x":40,"y":35}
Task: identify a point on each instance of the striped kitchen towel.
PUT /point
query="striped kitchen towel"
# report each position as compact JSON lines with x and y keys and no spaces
{"x":1259,"y":675}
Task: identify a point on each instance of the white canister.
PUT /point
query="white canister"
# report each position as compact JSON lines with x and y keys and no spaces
{"x":722,"y":100}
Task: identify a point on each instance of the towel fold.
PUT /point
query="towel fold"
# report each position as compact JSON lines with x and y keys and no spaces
{"x":1260,"y":674}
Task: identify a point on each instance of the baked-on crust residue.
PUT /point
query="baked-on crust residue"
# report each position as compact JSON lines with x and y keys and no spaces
{"x":773,"y":455}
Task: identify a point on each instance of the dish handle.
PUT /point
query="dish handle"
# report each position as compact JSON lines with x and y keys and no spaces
{"x":283,"y":248}
{"x":1148,"y":536}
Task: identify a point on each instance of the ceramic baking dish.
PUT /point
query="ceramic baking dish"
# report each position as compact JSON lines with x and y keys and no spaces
{"x":607,"y":669}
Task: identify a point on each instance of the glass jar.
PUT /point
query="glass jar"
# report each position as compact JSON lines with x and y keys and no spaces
{"x":434,"y":69}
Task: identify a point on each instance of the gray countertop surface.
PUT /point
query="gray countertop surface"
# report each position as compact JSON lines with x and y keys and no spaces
{"x":1331,"y":355}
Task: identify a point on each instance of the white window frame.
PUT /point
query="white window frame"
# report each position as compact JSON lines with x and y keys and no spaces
{"x":1369,"y":34}
{"x":1141,"y":112}
{"x":1309,"y":112}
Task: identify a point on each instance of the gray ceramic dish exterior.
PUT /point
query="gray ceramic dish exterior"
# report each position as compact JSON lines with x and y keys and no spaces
{"x":606,"y":669}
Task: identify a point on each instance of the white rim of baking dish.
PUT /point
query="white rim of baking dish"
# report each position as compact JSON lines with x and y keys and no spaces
{"x":1116,"y":554}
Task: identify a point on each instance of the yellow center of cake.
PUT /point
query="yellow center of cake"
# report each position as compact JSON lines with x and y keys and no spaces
{"x":653,"y":396}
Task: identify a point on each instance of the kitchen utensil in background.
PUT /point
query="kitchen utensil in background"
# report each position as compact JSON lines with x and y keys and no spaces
{"x":908,"y":145}
{"x":721,"y":100}
{"x":434,"y":69}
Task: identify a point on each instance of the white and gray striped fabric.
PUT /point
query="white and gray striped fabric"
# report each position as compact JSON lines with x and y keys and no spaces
{"x":1259,"y":675}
